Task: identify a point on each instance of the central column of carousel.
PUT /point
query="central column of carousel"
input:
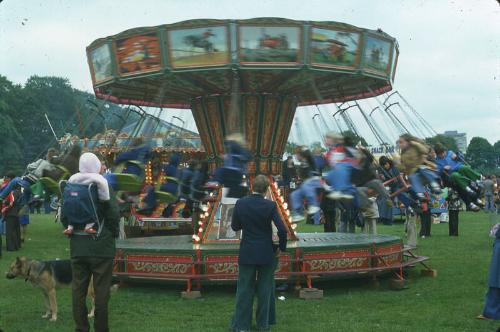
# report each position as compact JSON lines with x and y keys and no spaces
{"x":264,"y":119}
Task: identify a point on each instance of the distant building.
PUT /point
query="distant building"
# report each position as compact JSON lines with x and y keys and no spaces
{"x":460,"y":138}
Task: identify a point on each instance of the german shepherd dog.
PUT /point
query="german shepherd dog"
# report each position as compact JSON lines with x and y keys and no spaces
{"x":48,"y":275}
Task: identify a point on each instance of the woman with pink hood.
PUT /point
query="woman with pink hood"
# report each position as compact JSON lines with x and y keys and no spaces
{"x":90,"y":169}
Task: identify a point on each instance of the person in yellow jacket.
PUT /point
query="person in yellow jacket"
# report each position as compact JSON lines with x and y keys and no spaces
{"x":416,"y":164}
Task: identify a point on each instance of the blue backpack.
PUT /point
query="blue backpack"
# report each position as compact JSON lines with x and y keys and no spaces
{"x":79,"y":205}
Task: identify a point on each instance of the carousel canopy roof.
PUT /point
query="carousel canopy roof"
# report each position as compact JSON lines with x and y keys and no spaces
{"x":173,"y":64}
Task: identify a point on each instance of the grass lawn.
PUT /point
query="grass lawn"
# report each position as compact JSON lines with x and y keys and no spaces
{"x":449,"y":302}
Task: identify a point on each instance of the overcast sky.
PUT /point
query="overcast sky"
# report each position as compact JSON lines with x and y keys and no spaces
{"x":448,"y":69}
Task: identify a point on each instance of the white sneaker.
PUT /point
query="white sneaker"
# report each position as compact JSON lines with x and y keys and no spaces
{"x":436,"y":188}
{"x":296,"y":217}
{"x":313,"y":210}
{"x":338,"y":195}
{"x":474,"y":207}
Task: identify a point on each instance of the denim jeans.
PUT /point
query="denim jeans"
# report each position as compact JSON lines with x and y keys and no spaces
{"x":339,"y":177}
{"x":348,"y":219}
{"x":405,"y":199}
{"x":489,"y":202}
{"x":17,"y":181}
{"x":306,"y":190}
{"x":422,"y":174}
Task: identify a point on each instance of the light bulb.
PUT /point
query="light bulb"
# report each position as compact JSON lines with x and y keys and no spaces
{"x":200,"y":230}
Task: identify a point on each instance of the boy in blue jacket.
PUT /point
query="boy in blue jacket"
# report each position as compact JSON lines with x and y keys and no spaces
{"x":460,"y":174}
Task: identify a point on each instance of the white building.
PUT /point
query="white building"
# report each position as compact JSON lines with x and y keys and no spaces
{"x":460,"y":139}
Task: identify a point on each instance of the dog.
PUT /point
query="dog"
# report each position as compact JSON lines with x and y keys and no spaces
{"x":48,"y":275}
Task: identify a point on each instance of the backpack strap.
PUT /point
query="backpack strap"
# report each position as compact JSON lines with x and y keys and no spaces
{"x":94,"y":207}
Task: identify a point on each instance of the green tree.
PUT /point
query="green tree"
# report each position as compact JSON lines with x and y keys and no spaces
{"x":496,"y":149}
{"x":10,"y":140}
{"x":447,"y":141}
{"x":481,"y":154}
{"x":25,"y":131}
{"x":354,"y":138}
{"x":290,"y":147}
{"x":317,"y":146}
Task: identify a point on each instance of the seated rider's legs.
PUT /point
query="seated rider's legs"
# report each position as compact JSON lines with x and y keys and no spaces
{"x":310,"y":188}
{"x":416,"y":183}
{"x":468,"y":172}
{"x":131,"y":168}
{"x":16,"y":181}
{"x":296,"y":199}
{"x":429,"y":175}
{"x":339,"y":177}
{"x":460,"y":180}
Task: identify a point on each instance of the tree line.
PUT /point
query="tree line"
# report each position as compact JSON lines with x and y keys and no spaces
{"x":26,"y":134}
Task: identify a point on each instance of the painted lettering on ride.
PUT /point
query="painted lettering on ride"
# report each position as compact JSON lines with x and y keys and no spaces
{"x":223,"y":268}
{"x":153,"y":267}
{"x":337,"y":263}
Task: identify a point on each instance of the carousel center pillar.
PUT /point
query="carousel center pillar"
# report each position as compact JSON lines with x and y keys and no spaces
{"x":265,"y":120}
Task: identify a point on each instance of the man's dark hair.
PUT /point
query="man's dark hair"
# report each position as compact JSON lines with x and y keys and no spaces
{"x":439,"y":148}
{"x":260,"y":184}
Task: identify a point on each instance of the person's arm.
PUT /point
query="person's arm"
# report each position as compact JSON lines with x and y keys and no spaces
{"x":282,"y":233}
{"x":236,"y":220}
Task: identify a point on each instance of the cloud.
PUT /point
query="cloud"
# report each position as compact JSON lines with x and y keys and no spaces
{"x":448,"y":67}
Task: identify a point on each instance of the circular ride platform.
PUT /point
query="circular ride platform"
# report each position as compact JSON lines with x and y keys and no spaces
{"x":312,"y":255}
{"x":247,"y":76}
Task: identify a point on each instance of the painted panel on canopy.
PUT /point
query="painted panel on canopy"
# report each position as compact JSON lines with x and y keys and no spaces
{"x":138,"y":54}
{"x":251,"y":121}
{"x":269,"y":44}
{"x":232,"y":116}
{"x":395,"y":56}
{"x":100,"y":58}
{"x":335,"y":48}
{"x":201,"y":124}
{"x":284,"y":125}
{"x":196,"y":47}
{"x":215,"y":125}
{"x":270,"y":116}
{"x":376,"y":55}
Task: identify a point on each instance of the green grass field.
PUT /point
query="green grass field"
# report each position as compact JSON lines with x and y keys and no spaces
{"x":449,"y":302}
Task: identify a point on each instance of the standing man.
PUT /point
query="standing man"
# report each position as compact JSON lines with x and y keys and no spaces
{"x":454,"y":204}
{"x":257,"y":261}
{"x":10,"y":209}
{"x":93,"y":257}
{"x":489,"y":190}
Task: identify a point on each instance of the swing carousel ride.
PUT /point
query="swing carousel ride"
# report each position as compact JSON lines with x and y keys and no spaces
{"x":248,"y":76}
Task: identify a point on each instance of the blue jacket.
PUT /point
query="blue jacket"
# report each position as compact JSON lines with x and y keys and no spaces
{"x":253,"y":214}
{"x":236,"y":156}
{"x":454,"y":164}
{"x":171,"y":169}
{"x":320,"y":163}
